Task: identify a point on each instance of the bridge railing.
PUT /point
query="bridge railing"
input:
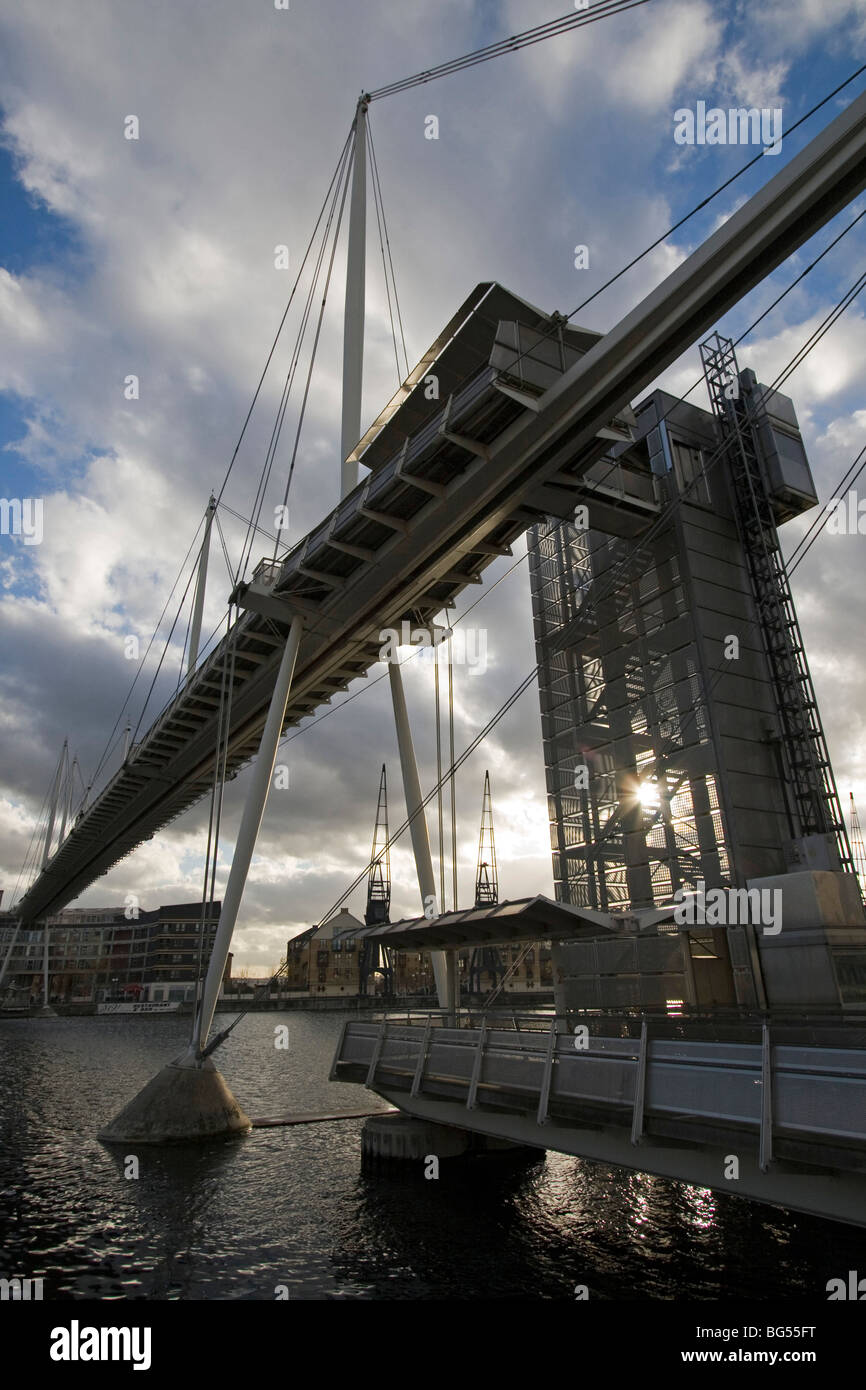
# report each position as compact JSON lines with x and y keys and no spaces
{"x":803,"y":1103}
{"x":817,"y":1027}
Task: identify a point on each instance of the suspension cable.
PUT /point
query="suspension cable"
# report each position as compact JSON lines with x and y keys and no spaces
{"x":439,"y":805}
{"x":605,"y":591}
{"x":141,"y":664}
{"x":551,"y":332}
{"x":341,"y":182}
{"x":225,"y":548}
{"x":402,"y":372}
{"x":808,"y":540}
{"x":451,"y":777}
{"x":215,"y":819}
{"x":304,"y":400}
{"x":245,"y":519}
{"x":531,"y":676}
{"x":282,"y":321}
{"x":183,"y":650}
{"x":111,"y":738}
{"x":505,"y":46}
{"x":400,"y":375}
{"x":163,"y":654}
{"x":525,"y":39}
{"x":326,"y":714}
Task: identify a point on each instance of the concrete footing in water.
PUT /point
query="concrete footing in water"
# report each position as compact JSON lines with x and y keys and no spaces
{"x":405,"y":1138}
{"x":182,"y":1104}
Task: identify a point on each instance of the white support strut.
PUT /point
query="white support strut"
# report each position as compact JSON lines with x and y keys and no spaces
{"x":444,"y":978}
{"x":254,"y":809}
{"x":444,"y":972}
{"x":201,"y":583}
{"x":52,"y":810}
{"x":353,"y":321}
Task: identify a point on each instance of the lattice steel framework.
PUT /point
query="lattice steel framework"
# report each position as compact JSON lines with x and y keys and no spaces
{"x":487,"y":958}
{"x":803,"y":747}
{"x":634,"y":815}
{"x":857,"y":847}
{"x":373,"y":955}
{"x":487,"y":876}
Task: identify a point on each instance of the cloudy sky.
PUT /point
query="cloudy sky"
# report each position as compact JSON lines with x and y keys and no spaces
{"x":155,"y":257}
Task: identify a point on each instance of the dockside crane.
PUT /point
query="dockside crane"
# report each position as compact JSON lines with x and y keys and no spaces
{"x":487,"y":958}
{"x":857,"y":848}
{"x":374,"y":956}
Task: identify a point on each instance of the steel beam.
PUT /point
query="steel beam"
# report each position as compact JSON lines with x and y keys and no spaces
{"x":200,"y":586}
{"x":251,"y":819}
{"x":353,"y":320}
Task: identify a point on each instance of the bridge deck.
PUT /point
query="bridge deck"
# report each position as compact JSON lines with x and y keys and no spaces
{"x":403,"y":545}
{"x":793,"y":1117}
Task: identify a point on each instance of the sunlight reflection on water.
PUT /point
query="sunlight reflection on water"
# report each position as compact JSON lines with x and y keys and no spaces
{"x":292,"y":1206}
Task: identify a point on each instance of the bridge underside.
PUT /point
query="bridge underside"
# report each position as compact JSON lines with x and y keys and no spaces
{"x":793,"y":1118}
{"x":435,"y":511}
{"x":815,"y":1192}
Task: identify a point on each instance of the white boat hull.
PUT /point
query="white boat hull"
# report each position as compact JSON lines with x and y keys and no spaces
{"x":159,"y":1007}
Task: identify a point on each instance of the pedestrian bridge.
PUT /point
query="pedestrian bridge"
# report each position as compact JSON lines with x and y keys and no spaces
{"x":753,"y":1109}
{"x":521,"y":426}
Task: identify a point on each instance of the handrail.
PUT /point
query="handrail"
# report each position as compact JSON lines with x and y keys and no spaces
{"x":816,"y":1014}
{"x":645,"y":1084}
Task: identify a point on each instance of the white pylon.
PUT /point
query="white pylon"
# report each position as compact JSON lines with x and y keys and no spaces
{"x":201,"y":583}
{"x":52,"y":810}
{"x":67,"y":800}
{"x":444,"y":969}
{"x":251,"y":819}
{"x":353,"y":318}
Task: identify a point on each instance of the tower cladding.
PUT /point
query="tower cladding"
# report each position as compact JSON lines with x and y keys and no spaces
{"x":682,"y":744}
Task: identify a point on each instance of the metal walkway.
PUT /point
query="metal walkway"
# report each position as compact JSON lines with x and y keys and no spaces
{"x":793,"y":1116}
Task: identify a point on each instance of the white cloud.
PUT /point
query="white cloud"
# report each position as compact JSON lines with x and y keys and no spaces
{"x":830,"y":368}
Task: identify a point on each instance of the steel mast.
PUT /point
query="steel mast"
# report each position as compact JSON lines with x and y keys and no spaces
{"x":373,"y":955}
{"x":487,"y":876}
{"x":857,"y":847}
{"x":201,"y":583}
{"x":486,"y":894}
{"x":46,"y":855}
{"x":444,"y":967}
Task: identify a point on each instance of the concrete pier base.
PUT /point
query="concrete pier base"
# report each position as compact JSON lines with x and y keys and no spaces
{"x":403,"y":1138}
{"x":182,"y":1104}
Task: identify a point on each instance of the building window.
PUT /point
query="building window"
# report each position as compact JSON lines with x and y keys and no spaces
{"x":691,"y":475}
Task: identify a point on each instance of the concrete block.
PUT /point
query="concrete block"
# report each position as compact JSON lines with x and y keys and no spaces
{"x":815,"y":898}
{"x":182,"y":1104}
